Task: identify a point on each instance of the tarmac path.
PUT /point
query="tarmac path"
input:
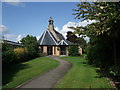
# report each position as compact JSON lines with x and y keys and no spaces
{"x":50,"y":78}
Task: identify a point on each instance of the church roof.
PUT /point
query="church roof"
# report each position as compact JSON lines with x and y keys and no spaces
{"x":59,"y":35}
{"x":52,"y":37}
{"x":47,"y":38}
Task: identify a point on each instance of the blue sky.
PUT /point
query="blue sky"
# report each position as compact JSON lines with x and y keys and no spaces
{"x":32,"y":17}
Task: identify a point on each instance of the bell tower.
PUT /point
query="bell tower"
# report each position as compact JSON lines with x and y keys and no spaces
{"x":50,"y":26}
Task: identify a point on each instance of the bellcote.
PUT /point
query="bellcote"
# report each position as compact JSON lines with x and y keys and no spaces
{"x":50,"y":26}
{"x":50,"y":21}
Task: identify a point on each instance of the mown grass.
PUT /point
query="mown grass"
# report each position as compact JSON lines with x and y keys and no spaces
{"x":82,"y":75}
{"x":20,"y":73}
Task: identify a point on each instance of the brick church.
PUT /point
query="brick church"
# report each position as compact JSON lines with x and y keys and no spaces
{"x":53,"y":43}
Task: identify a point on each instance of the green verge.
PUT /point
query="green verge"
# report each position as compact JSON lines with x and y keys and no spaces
{"x":20,"y":73}
{"x":82,"y":75}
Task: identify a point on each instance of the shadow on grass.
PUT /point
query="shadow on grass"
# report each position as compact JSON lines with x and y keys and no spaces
{"x":97,"y":70}
{"x":100,"y":74}
{"x":83,"y":63}
{"x":9,"y":71}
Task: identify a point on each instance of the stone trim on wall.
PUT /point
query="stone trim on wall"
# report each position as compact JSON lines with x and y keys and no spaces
{"x":80,"y":50}
{"x":56,"y":50}
{"x":45,"y":50}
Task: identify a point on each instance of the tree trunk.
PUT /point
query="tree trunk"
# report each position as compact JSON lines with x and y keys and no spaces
{"x":115,"y":52}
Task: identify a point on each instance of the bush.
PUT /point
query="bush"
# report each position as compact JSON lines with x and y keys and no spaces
{"x":90,"y":54}
{"x":8,"y":57}
{"x":32,"y":52}
{"x":31,"y":44}
{"x":73,"y":50}
{"x":20,"y":54}
{"x":114,"y":70}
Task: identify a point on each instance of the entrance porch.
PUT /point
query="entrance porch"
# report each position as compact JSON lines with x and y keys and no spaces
{"x":54,"y":50}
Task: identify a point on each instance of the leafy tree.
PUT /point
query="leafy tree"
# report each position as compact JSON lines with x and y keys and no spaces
{"x":104,"y":33}
{"x":31,"y":44}
{"x":82,"y":43}
{"x":106,"y":15}
{"x":71,"y":37}
{"x":73,"y":50}
{"x":78,"y":40}
{"x":7,"y":54}
{"x":7,"y":57}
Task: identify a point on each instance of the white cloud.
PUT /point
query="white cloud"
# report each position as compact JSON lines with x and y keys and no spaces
{"x":85,"y":22}
{"x":57,"y":29}
{"x":87,"y":39}
{"x":19,"y":37}
{"x":8,"y":35}
{"x":3,"y":29}
{"x":65,"y":28}
{"x":38,"y":37}
{"x":4,"y":33}
{"x":15,"y":2}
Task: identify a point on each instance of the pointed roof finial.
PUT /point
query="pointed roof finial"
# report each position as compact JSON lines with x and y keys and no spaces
{"x":50,"y":21}
{"x":50,"y":18}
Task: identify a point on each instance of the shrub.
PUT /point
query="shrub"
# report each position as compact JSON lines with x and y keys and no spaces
{"x":31,"y":44}
{"x":20,"y":54}
{"x":73,"y":50}
{"x":114,"y":70}
{"x":8,"y":57}
{"x":32,"y":52}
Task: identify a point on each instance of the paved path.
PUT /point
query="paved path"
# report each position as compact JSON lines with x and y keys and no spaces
{"x":50,"y":78}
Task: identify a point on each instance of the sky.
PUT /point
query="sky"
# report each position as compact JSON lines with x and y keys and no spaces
{"x":23,"y":18}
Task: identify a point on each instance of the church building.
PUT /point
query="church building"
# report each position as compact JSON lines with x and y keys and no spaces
{"x":53,"y":43}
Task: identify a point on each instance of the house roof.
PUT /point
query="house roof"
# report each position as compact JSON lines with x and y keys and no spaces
{"x":12,"y":43}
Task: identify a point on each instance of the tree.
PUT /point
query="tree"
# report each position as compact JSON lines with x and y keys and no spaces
{"x":7,"y":53}
{"x":31,"y":44}
{"x":71,"y":37}
{"x":104,"y":33}
{"x":73,"y":50}
{"x":78,"y":40}
{"x":106,"y":15}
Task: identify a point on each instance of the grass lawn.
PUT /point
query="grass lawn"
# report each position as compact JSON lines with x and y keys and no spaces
{"x":82,"y":75}
{"x":20,"y":73}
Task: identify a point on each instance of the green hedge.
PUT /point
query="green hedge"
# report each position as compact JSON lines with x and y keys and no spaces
{"x":73,"y":50}
{"x":8,"y":56}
